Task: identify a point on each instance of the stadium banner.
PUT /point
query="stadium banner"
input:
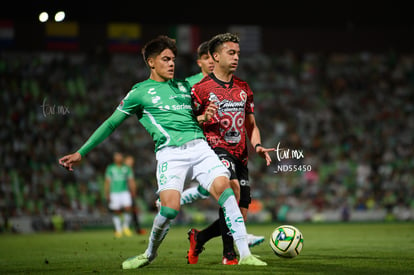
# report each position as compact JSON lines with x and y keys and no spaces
{"x":187,"y":36}
{"x":250,"y":37}
{"x":6,"y":34}
{"x":62,"y":36}
{"x":124,"y":37}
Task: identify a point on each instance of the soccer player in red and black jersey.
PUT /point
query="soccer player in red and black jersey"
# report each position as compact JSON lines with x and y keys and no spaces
{"x":224,"y":107}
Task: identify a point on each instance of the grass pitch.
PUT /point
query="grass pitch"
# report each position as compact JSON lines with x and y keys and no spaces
{"x":328,"y":249}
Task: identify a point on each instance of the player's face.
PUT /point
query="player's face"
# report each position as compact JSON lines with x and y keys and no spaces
{"x":118,"y":158}
{"x":228,"y":56}
{"x":129,"y":161}
{"x":206,"y":63}
{"x":162,"y":66}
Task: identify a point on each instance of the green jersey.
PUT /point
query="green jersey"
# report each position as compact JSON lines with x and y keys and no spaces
{"x":118,"y":177}
{"x":163,"y":108}
{"x":194,"y":78}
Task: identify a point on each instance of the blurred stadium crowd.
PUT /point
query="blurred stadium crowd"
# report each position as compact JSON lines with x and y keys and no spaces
{"x":352,"y":116}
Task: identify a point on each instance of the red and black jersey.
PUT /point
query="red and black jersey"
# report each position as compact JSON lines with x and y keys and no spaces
{"x":227,"y":128}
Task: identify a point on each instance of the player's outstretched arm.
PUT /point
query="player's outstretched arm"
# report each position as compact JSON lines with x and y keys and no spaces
{"x":97,"y":137}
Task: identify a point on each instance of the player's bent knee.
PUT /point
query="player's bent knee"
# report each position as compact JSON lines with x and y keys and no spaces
{"x":218,"y":186}
{"x":168,"y":212}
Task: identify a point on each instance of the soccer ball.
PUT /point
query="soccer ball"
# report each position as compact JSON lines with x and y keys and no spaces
{"x":286,"y":241}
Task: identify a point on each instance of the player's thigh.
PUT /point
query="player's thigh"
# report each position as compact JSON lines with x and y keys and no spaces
{"x":208,"y":167}
{"x":172,"y":169}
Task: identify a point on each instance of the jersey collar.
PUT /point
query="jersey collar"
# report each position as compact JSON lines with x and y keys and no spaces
{"x":223,"y":84}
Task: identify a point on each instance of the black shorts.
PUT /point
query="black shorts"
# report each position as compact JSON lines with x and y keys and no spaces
{"x":239,"y":172}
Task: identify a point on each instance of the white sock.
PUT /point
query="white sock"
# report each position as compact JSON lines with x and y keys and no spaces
{"x":127,"y":220}
{"x":235,"y":222}
{"x":190,"y":195}
{"x":116,"y":219}
{"x":159,"y":230}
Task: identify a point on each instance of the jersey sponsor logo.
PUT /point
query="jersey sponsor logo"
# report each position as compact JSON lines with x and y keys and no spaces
{"x":175,"y":107}
{"x":181,"y":107}
{"x":229,"y":105}
{"x":151,"y":91}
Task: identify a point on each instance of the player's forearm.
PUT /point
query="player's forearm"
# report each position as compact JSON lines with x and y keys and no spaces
{"x":103,"y":132}
{"x":106,"y":188}
{"x":254,"y":136}
{"x":132,"y":187}
{"x":253,"y":131}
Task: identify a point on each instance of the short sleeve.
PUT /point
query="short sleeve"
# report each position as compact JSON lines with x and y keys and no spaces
{"x":130,"y":174}
{"x":108,"y":173}
{"x":196,"y":101}
{"x":249,"y":107}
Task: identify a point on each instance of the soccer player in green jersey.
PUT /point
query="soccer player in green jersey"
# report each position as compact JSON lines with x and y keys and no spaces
{"x":204,"y":61}
{"x":162,"y":105}
{"x":119,"y":190}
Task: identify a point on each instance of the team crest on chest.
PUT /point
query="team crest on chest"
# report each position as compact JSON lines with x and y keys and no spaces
{"x":181,"y":87}
{"x":243,"y":96}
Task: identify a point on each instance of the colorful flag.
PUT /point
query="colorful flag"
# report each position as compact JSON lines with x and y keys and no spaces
{"x":188,"y":38}
{"x":124,"y":37}
{"x":62,"y":36}
{"x":6,"y":34}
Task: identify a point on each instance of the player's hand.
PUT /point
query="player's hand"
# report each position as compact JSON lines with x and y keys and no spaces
{"x":264,"y":153}
{"x":210,"y":111}
{"x":69,"y":161}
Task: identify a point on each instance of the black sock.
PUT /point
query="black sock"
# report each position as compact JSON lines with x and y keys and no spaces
{"x":210,"y":232}
{"x":135,"y":221}
{"x":226,"y":236}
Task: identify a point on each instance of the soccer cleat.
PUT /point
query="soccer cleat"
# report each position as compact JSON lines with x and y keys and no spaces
{"x":254,"y":240}
{"x":118,"y":234}
{"x":136,"y":262}
{"x":230,"y":259}
{"x":127,"y":232}
{"x":251,"y":260}
{"x":193,"y":252}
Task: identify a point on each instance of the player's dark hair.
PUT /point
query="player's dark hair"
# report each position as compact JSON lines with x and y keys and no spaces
{"x":220,"y":39}
{"x":202,"y":49}
{"x":155,"y":46}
